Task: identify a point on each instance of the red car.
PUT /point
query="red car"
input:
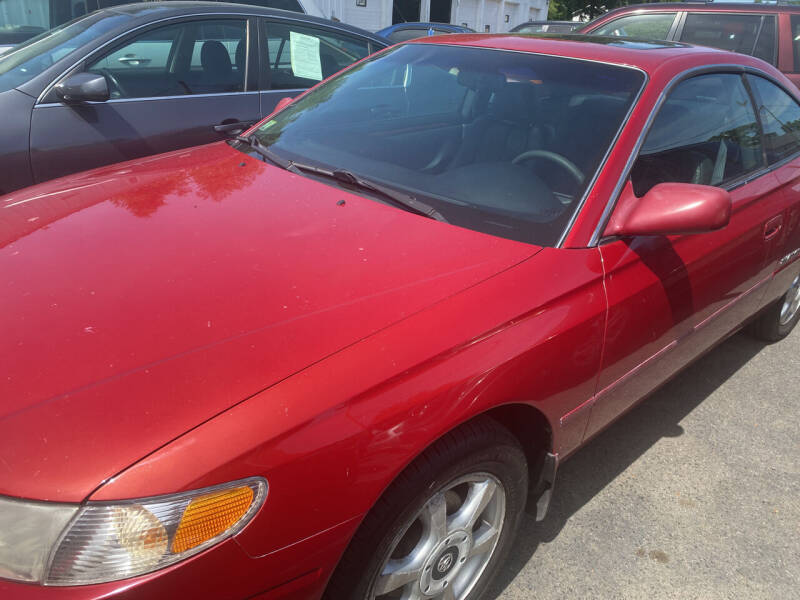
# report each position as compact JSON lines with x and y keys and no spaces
{"x":338,"y":357}
{"x":768,"y":32}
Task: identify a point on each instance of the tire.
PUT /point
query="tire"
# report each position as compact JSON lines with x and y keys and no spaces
{"x":778,"y":320}
{"x":418,"y":536}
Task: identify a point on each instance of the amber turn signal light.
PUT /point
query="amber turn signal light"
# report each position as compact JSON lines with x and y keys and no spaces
{"x":208,"y":516}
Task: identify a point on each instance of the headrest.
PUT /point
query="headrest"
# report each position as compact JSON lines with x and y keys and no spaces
{"x":215,"y":58}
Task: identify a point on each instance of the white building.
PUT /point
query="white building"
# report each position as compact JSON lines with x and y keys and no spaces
{"x":481,"y":15}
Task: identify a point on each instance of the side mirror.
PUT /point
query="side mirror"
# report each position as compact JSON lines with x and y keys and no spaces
{"x":670,"y":209}
{"x":83,"y":87}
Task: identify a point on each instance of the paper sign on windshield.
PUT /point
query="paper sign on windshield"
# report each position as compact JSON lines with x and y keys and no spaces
{"x":305,"y":56}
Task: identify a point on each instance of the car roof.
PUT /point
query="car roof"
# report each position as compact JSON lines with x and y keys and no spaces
{"x":744,"y":7}
{"x":421,"y":25}
{"x":576,"y":23}
{"x":143,"y":12}
{"x":647,"y":55}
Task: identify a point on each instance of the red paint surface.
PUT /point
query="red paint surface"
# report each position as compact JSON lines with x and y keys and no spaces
{"x":191,"y":319}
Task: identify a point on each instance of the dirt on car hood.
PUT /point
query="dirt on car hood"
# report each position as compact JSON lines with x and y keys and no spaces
{"x":142,"y":299}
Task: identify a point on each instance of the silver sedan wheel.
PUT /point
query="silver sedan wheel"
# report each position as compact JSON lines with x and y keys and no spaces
{"x":447,"y":546}
{"x":791,"y":304}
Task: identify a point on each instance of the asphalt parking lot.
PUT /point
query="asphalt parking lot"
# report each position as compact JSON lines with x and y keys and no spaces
{"x":693,"y":494}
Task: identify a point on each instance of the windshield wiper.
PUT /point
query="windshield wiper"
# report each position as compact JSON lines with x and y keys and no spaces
{"x":405,"y":200}
{"x":348,"y":178}
{"x":264,"y":151}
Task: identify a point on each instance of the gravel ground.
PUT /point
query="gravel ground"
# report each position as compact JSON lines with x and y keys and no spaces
{"x":693,"y":494}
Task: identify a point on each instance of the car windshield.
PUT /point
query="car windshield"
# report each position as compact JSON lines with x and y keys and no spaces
{"x":500,"y":142}
{"x":26,"y":61}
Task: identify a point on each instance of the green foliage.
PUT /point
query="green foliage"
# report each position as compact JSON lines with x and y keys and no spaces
{"x":562,"y":10}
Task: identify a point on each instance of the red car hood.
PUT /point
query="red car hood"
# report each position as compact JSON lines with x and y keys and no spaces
{"x":140,"y":300}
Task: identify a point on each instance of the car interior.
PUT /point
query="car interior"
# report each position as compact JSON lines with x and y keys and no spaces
{"x":335,"y":53}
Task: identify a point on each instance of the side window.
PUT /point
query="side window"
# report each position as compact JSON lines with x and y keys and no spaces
{"x":300,"y":56}
{"x":149,"y":51}
{"x":780,"y":118}
{"x":706,"y":132}
{"x":193,"y":57}
{"x":796,"y":42}
{"x":652,"y":26}
{"x":737,"y":33}
{"x":229,"y":35}
{"x":765,"y":45}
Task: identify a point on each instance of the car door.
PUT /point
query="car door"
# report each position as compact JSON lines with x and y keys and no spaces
{"x":670,"y":298}
{"x":299,"y":55}
{"x":780,"y":118}
{"x":170,"y":86}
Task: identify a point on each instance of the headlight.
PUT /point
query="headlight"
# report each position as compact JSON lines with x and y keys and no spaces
{"x":106,"y":541}
{"x":28,"y":532}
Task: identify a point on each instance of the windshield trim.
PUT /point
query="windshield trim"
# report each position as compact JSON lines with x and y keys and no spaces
{"x":612,"y":144}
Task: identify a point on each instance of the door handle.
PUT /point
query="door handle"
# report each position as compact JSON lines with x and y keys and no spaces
{"x":772,"y":227}
{"x":234,"y":128}
{"x":133,"y":60}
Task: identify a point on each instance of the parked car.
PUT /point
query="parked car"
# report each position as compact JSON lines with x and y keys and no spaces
{"x":402,"y":32}
{"x":768,"y":32}
{"x":546,"y":27}
{"x":338,"y":356}
{"x":152,"y":77}
{"x":19,"y":22}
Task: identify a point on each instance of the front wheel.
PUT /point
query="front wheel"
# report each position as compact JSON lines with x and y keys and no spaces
{"x":778,"y":320}
{"x":444,"y":526}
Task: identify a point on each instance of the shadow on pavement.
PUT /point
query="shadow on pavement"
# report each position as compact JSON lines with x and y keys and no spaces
{"x":597,"y":464}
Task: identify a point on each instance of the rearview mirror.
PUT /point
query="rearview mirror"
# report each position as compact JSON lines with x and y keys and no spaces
{"x":83,"y":87}
{"x":670,"y":209}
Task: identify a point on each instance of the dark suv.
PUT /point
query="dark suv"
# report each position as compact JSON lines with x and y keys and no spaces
{"x":768,"y":32}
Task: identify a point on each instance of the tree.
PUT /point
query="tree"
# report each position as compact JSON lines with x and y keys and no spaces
{"x":563,"y":10}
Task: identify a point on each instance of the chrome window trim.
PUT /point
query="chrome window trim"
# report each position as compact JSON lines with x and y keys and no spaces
{"x":701,"y":70}
{"x":152,"y":98}
{"x":568,"y":226}
{"x":243,"y":15}
{"x":271,"y":91}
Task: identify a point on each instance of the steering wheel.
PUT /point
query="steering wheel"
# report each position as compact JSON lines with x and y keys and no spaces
{"x":112,"y":79}
{"x":560,"y":160}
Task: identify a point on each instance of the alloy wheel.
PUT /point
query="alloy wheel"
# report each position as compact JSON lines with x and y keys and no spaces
{"x":791,"y":303}
{"x":448,"y":544}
